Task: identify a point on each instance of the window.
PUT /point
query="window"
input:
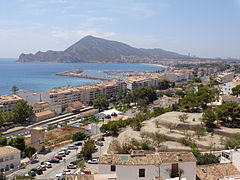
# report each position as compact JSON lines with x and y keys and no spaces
{"x":11,"y":157}
{"x":6,"y":158}
{"x":113,"y":168}
{"x":1,"y":159}
{"x":141,"y":172}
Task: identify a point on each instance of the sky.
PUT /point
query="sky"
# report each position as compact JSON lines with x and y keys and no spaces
{"x":203,"y":28}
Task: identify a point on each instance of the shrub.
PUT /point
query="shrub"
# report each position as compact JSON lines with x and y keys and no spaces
{"x":185,"y":141}
{"x":78,"y":136}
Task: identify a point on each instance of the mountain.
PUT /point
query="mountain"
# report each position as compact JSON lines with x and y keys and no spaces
{"x":93,"y":49}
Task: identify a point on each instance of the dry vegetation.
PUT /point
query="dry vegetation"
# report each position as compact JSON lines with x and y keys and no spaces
{"x":59,"y":135}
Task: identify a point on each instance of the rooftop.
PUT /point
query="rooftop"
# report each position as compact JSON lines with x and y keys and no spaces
{"x":8,"y":150}
{"x":7,"y":98}
{"x":44,"y":113}
{"x":216,"y":171}
{"x":147,"y":159}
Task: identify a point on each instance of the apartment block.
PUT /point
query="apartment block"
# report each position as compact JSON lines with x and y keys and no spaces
{"x":8,"y":102}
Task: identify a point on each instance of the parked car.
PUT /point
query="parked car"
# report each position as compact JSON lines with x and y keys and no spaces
{"x":32,"y":173}
{"x":54,"y":160}
{"x":58,"y":157}
{"x":72,"y":147}
{"x":59,"y":175}
{"x":71,"y":166}
{"x":99,"y":143}
{"x":38,"y":171}
{"x":66,"y":172}
{"x":48,"y":164}
{"x":61,"y":153}
{"x":78,"y":143}
{"x":85,"y":172}
{"x":93,"y":161}
{"x":65,"y":150}
{"x":43,"y":167}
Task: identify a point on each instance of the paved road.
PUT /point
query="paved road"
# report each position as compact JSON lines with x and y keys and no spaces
{"x":59,"y":167}
{"x":45,"y":157}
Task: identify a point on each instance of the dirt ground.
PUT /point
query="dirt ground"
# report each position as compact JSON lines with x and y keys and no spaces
{"x":207,"y":141}
{"x":59,"y":135}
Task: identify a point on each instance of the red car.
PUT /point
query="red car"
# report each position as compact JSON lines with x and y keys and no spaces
{"x":58,"y":157}
{"x":86,"y":172}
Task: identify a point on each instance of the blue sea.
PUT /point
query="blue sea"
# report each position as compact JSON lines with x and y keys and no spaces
{"x":37,"y":77}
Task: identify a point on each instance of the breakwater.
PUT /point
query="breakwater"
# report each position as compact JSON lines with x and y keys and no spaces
{"x":77,"y":73}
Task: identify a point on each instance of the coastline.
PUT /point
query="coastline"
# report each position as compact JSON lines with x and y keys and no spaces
{"x":160,"y":65}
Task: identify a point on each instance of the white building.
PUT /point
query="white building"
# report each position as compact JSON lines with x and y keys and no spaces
{"x":110,"y":112}
{"x":226,"y":88}
{"x":9,"y":158}
{"x":140,"y":166}
{"x":231,"y":156}
{"x":31,"y":98}
{"x":8,"y":102}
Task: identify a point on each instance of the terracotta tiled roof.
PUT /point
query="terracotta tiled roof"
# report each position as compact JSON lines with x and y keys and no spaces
{"x":167,"y":157}
{"x":147,"y":159}
{"x":216,"y":171}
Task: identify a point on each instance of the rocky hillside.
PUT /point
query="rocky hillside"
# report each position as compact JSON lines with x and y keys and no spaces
{"x":93,"y":49}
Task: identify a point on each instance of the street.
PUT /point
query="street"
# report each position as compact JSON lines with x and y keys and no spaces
{"x":59,"y":167}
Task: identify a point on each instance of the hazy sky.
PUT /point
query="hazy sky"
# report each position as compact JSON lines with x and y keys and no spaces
{"x":206,"y":28}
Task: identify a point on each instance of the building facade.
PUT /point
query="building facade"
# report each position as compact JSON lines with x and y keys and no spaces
{"x":8,"y":102}
{"x":149,"y":166}
{"x":10,"y":158}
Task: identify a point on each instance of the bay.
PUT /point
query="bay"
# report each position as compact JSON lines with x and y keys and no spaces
{"x":38,"y":77}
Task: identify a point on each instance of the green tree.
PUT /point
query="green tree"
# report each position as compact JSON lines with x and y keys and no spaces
{"x":203,"y":159}
{"x":236,"y":90}
{"x":180,"y":93}
{"x":228,"y":112}
{"x":158,"y":138}
{"x":14,"y":89}
{"x":183,"y":117}
{"x":22,"y":111}
{"x":164,"y":84}
{"x":172,"y":126}
{"x":146,"y":93}
{"x":18,"y":142}
{"x":3,"y":141}
{"x":100,"y":103}
{"x":29,"y":151}
{"x":88,"y":149}
{"x":78,"y":136}
{"x":194,"y":100}
{"x":8,"y":116}
{"x":209,"y":117}
{"x":136,"y":125}
{"x":200,"y":131}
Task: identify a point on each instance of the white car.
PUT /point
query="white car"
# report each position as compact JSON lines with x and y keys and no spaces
{"x":67,"y":172}
{"x":72,"y":166}
{"x":59,"y":175}
{"x":72,"y":147}
{"x":93,"y":161}
{"x":48,"y":164}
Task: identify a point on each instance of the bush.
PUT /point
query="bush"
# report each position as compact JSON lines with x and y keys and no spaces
{"x":233,"y":141}
{"x":79,"y":136}
{"x":185,"y":141}
{"x":203,"y":159}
